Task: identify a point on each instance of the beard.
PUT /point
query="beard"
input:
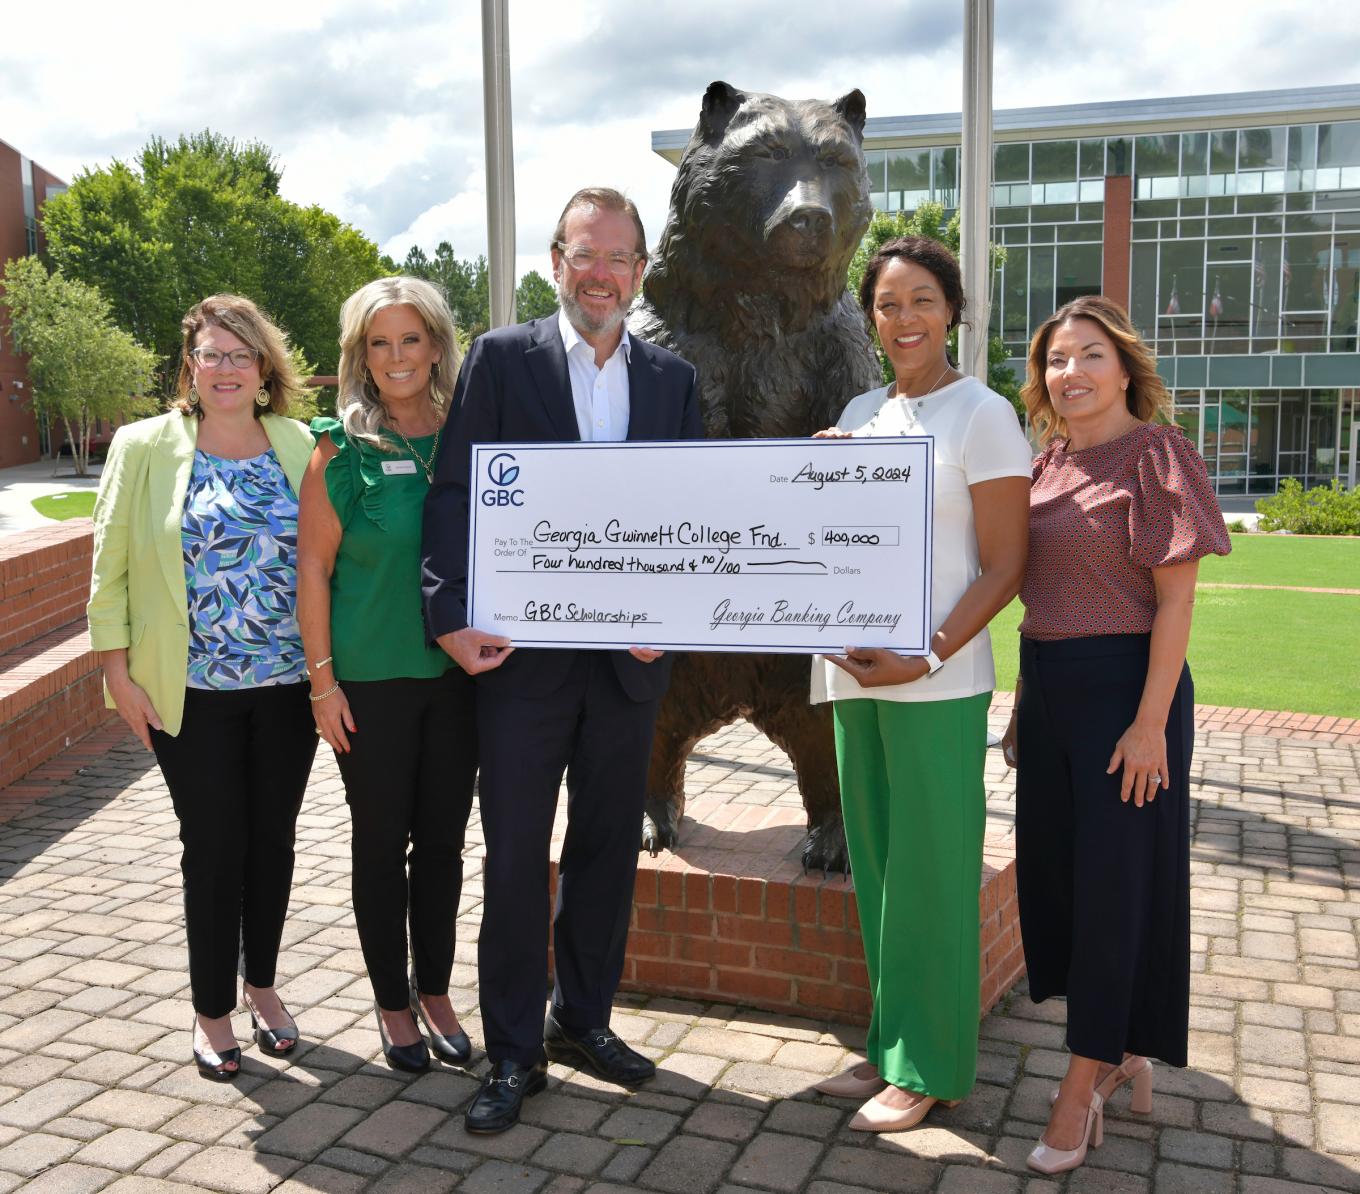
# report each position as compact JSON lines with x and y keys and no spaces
{"x":585,"y":322}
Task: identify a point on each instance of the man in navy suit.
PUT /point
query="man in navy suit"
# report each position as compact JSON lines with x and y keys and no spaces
{"x":575,"y":375}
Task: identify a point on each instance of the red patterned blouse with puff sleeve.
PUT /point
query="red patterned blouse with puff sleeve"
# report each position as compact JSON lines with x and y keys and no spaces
{"x":1101,"y":518}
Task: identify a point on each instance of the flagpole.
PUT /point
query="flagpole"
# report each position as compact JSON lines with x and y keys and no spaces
{"x":500,"y":162}
{"x":976,"y":185}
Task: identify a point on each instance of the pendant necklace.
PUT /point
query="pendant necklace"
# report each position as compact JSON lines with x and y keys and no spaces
{"x":426,"y":465}
{"x":923,"y":397}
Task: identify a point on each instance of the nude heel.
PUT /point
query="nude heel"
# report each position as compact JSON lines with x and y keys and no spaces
{"x":1141,"y":1101}
{"x":1050,"y":1160}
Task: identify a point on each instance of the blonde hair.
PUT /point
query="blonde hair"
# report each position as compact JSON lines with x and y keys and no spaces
{"x":244,"y":320}
{"x":1147,"y":397}
{"x":359,"y":405}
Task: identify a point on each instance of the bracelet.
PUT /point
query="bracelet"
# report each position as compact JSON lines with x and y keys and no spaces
{"x":319,"y":664}
{"x":314,"y":697}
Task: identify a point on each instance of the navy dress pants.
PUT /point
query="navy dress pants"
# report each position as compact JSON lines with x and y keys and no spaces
{"x":591,"y":729}
{"x":1104,"y":886}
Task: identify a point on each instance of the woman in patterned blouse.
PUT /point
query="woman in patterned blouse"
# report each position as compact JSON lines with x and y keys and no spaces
{"x":1121,"y":512}
{"x":192,"y":611}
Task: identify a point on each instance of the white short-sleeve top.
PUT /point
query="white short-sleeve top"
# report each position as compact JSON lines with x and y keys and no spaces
{"x":977,"y":438}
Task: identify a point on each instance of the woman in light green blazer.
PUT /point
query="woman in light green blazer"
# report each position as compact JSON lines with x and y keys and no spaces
{"x":192,"y":610}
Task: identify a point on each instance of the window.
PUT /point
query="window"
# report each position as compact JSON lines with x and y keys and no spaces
{"x":1118,"y":157}
{"x":944,"y":164}
{"x":1055,"y":161}
{"x":1339,"y":144}
{"x":1156,"y":166}
{"x":1012,"y":164}
{"x":1092,"y":158}
{"x":1077,"y":272}
{"x":908,"y":178}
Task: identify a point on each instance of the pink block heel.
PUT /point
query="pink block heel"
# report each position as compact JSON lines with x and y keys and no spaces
{"x":1141,"y":1102}
{"x":1049,"y":1160}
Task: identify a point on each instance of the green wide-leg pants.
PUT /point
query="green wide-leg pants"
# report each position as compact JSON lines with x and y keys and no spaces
{"x":915,"y":806}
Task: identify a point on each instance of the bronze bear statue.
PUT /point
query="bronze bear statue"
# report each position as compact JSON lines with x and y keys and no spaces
{"x":748,"y":284}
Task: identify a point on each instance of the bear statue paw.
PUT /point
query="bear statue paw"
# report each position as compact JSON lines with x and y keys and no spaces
{"x":824,"y":849}
{"x":660,"y":827}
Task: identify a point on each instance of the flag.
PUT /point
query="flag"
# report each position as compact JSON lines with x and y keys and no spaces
{"x":1216,"y":303}
{"x":1173,"y":307}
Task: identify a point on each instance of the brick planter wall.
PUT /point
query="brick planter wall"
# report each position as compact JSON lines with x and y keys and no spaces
{"x":44,"y":580}
{"x":51,"y":693}
{"x":718,"y":920}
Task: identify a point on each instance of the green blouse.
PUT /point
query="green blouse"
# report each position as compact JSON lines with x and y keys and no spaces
{"x":377,"y":623}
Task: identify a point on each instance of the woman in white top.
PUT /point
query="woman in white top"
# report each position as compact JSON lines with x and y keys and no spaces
{"x":911,"y":731}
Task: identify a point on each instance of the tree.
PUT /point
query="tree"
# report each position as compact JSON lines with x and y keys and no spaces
{"x":82,"y":365}
{"x":928,"y":220}
{"x":535,"y":296}
{"x":465,"y":284}
{"x":198,"y":216}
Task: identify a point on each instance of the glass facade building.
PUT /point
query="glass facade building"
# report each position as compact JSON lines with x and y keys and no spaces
{"x":1228,"y":225}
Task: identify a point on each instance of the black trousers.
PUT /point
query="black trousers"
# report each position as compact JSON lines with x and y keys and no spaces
{"x":408,"y":782}
{"x":593,"y":730}
{"x":236,"y":773}
{"x":1104,"y":886}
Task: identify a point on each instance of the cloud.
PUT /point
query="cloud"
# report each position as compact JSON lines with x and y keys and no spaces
{"x":374,"y":106}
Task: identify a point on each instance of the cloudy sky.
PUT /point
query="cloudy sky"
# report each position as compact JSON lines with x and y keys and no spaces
{"x":374,"y":109}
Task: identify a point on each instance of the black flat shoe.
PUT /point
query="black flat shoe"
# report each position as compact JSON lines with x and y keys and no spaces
{"x":413,"y":1059}
{"x":600,"y":1050}
{"x":455,"y":1049}
{"x":277,"y":1041}
{"x":496,"y":1106}
{"x":212,"y":1065}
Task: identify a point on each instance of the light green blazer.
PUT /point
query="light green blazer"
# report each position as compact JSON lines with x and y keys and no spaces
{"x":138,"y":597}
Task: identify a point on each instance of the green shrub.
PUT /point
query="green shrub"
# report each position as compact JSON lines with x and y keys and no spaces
{"x":1238,"y":527}
{"x":1326,"y":510}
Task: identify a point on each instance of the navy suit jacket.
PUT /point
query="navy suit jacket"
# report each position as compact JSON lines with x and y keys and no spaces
{"x":514,"y":386}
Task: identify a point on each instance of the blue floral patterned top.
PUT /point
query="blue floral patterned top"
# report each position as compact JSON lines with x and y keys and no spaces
{"x":240,"y":568}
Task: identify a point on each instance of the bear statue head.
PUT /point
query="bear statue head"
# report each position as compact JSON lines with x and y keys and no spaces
{"x":771,"y":198}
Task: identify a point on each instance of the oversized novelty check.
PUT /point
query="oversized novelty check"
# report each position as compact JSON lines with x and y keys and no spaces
{"x":716,"y":545}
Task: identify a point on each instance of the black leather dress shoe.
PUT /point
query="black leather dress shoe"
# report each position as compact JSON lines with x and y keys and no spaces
{"x":495,"y":1107}
{"x":600,"y":1050}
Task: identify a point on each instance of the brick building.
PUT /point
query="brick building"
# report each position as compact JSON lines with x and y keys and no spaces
{"x":24,"y":187}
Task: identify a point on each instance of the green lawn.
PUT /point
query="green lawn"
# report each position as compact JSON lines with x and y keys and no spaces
{"x":75,"y":503}
{"x":1262,"y":649}
{"x":1287,"y":560}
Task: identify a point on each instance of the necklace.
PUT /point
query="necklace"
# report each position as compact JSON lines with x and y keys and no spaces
{"x":922,"y":397}
{"x":426,"y":465}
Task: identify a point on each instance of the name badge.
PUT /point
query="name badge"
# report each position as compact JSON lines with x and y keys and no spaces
{"x":398,"y":468}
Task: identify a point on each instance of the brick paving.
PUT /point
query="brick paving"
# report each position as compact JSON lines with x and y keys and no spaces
{"x":95,"y":1092}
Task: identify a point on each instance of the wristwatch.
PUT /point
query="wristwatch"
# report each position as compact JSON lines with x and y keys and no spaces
{"x":933,"y":662}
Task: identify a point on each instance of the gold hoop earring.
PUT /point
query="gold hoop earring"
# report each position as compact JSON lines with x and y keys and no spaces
{"x":262,"y":399}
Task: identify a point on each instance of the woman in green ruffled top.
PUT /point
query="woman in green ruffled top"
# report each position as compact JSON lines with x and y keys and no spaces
{"x":398,"y":715}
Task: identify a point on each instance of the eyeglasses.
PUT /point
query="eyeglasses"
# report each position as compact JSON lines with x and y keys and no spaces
{"x":210,"y":358}
{"x":581,"y":259}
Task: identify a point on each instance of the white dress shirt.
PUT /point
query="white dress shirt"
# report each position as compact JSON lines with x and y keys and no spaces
{"x":600,"y":396}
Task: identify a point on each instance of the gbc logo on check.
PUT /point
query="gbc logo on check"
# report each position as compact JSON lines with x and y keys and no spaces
{"x":502,"y":472}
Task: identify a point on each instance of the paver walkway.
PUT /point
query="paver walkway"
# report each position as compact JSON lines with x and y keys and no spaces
{"x":95,"y":1092}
